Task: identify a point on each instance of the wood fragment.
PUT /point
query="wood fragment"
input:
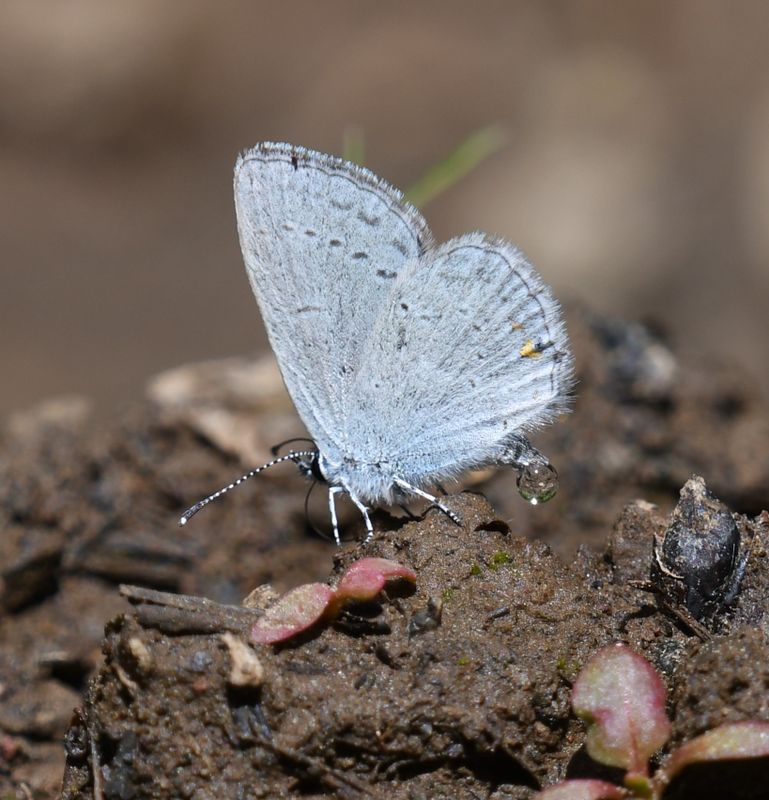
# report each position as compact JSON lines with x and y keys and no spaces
{"x":187,"y":614}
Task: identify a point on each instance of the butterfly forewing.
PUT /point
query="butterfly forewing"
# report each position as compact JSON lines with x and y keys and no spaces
{"x":324,"y":243}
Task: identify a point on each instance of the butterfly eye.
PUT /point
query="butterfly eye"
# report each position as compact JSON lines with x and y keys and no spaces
{"x":316,"y":470}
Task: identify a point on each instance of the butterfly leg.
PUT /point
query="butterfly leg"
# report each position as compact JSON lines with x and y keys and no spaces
{"x":363,"y":510}
{"x":432,"y":498}
{"x":332,"y":492}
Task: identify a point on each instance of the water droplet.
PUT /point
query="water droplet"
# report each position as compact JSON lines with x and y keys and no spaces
{"x":537,"y":481}
{"x":537,"y":478}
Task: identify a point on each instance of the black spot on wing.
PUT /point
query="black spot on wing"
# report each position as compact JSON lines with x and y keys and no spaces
{"x":401,"y":341}
{"x":384,"y":273}
{"x":340,"y":205}
{"x":369,"y":219}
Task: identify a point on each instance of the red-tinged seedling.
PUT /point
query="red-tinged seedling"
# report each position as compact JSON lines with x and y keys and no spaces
{"x":622,"y":699}
{"x":293,"y":613}
{"x":364,"y":579}
{"x":733,"y":741}
{"x":310,"y":603}
{"x":582,"y":789}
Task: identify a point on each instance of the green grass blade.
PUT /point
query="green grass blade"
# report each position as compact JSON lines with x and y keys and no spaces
{"x":465,"y":158}
{"x":354,"y":145}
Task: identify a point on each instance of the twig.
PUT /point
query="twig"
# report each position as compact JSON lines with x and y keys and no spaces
{"x":98,"y":788}
{"x":333,"y":778}
{"x":680,"y":613}
{"x":184,"y":614}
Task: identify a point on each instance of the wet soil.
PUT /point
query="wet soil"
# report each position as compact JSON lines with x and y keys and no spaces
{"x":458,"y":687}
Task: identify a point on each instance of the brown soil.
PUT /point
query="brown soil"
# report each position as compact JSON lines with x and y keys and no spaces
{"x":457,"y":688}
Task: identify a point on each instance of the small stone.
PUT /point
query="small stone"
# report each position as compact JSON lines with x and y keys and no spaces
{"x":141,"y":654}
{"x":246,"y":669}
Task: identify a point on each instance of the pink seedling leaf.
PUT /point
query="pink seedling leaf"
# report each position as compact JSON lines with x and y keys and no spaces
{"x":307,"y":604}
{"x":622,"y":700}
{"x":583,"y":790}
{"x":363,"y":580}
{"x":731,"y":742}
{"x":293,"y":613}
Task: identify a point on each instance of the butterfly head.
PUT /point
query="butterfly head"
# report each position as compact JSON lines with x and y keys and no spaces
{"x":310,"y":465}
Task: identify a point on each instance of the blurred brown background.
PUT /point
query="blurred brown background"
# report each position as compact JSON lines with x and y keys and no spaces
{"x":636,"y":175}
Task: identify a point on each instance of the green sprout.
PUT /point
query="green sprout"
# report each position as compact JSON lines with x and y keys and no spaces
{"x":475,"y":149}
{"x":471,"y":152}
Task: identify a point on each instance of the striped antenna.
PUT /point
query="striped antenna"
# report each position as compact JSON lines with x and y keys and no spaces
{"x":294,"y":455}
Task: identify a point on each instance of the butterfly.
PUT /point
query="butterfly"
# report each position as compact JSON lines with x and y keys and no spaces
{"x":409,"y":362}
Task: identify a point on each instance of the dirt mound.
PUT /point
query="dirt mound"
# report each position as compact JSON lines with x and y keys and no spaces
{"x":459,"y":688}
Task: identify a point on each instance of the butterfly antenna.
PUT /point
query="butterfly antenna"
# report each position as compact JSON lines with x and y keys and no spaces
{"x":275,"y":449}
{"x":292,"y":456}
